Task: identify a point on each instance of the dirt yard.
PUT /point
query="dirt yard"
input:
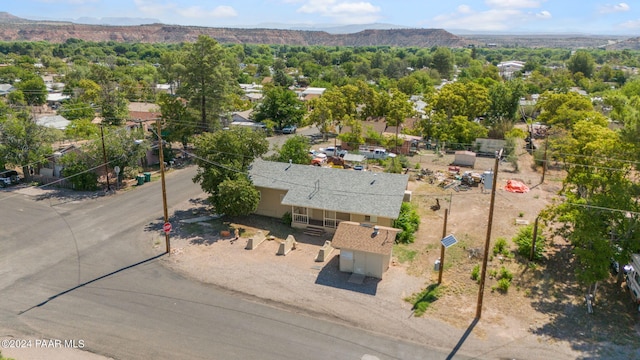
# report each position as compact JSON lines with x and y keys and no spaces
{"x":541,"y":316}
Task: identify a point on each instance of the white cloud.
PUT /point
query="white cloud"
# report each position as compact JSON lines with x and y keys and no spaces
{"x":613,"y":8}
{"x":464,"y":9}
{"x":360,"y":12}
{"x":73,"y":2}
{"x":197,"y":12}
{"x":544,"y":14}
{"x":159,"y":8}
{"x":631,"y":24}
{"x":513,"y":4}
{"x":497,"y":19}
{"x":153,"y":7}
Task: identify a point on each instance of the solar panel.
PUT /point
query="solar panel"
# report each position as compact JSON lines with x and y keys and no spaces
{"x":448,"y":241}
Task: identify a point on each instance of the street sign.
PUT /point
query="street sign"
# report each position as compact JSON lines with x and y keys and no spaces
{"x":116,"y":169}
{"x":166,"y":227}
{"x":448,"y":241}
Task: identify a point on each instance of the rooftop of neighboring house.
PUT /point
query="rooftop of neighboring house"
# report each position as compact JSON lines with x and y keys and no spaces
{"x":355,"y":192}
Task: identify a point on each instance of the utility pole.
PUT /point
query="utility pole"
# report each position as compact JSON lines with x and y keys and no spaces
{"x":164,"y":190}
{"x":104,"y":157}
{"x":488,"y":238}
{"x":444,"y":233}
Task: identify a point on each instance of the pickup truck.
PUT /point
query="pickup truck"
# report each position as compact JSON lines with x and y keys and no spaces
{"x":375,"y":153}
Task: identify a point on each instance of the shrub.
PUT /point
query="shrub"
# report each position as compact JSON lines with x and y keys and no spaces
{"x":475,"y":273}
{"x":505,"y":274}
{"x":408,"y":221}
{"x":287,"y":219}
{"x":503,"y":285}
{"x":500,"y":247}
{"x":493,"y":273}
{"x":523,"y":241}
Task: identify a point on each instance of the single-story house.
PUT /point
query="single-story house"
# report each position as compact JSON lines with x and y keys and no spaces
{"x":324,"y":197}
{"x":364,"y":249}
{"x":53,"y":121}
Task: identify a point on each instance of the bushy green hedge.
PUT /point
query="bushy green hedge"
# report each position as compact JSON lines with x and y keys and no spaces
{"x":408,"y":221}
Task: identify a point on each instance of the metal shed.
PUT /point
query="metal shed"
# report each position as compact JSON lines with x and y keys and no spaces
{"x":465,"y":158}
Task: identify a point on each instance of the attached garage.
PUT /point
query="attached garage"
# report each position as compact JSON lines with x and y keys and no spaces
{"x":364,"y":249}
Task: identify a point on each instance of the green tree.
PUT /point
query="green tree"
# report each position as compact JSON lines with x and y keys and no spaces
{"x":180,"y":122}
{"x":399,"y":110}
{"x":599,"y":194}
{"x":77,"y":169}
{"x":281,"y":106}
{"x":295,"y":149}
{"x":208,"y":80}
{"x":443,"y":62}
{"x":226,"y":156}
{"x":122,"y":146}
{"x":581,"y":62}
{"x":34,"y":90}
{"x":236,"y":197}
{"x":114,"y":107}
{"x":566,"y":109}
{"x":23,"y":143}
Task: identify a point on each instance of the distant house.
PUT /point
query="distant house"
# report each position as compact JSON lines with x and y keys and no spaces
{"x":364,"y":249}
{"x":507,"y":69}
{"x":311,"y":93}
{"x":6,"y":89}
{"x":142,"y":115}
{"x":53,"y":121}
{"x":324,"y":197}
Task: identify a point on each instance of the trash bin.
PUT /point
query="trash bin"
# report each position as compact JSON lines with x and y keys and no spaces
{"x":140,"y":179}
{"x":147,"y":177}
{"x":436,"y":265}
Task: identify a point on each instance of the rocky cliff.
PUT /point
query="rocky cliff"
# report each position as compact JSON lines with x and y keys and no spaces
{"x":16,"y":29}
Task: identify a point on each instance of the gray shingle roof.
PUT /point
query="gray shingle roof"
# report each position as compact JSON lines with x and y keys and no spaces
{"x":358,"y":192}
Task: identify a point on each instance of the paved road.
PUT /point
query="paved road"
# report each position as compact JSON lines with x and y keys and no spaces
{"x":83,"y":270}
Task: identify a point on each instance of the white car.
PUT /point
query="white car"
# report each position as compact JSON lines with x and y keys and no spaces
{"x":317,"y":154}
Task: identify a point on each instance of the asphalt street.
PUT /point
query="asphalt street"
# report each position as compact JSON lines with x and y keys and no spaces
{"x":83,"y":269}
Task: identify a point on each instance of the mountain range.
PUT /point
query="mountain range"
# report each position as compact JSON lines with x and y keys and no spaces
{"x":13,"y":28}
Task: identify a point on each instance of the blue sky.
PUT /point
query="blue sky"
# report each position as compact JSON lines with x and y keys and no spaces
{"x":512,"y":16}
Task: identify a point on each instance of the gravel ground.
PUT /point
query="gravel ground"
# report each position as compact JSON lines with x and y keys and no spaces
{"x":300,"y":284}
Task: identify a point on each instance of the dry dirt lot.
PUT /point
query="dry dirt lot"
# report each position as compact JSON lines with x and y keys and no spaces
{"x":542,"y":316}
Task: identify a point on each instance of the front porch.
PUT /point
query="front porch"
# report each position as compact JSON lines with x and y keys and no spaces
{"x":328,"y":220}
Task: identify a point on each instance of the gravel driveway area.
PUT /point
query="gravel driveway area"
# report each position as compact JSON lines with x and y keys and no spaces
{"x":298,"y":283}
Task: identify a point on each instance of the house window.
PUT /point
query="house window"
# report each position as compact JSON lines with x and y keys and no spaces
{"x":371,"y":218}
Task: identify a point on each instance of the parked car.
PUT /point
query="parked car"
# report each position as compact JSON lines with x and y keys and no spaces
{"x":291,"y":129}
{"x":331,"y":151}
{"x":317,"y":154}
{"x":9,"y":177}
{"x":358,"y":167}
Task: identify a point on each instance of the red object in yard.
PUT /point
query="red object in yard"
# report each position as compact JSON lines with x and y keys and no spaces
{"x":516,"y":186}
{"x":454,"y":169}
